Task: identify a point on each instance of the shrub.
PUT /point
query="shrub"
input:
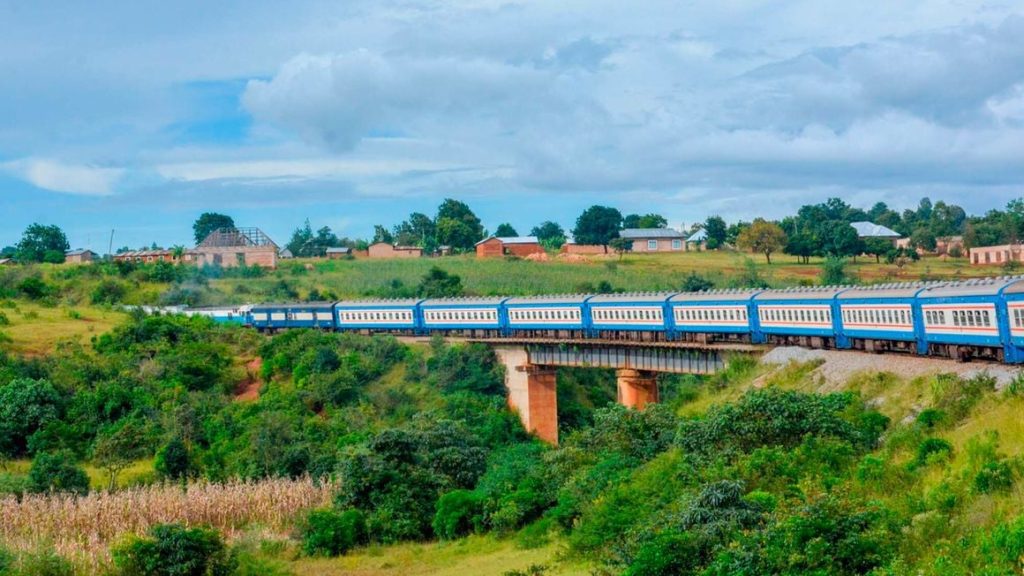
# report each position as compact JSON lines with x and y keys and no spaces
{"x":108,"y":292}
{"x":33,"y":288}
{"x":458,"y":513}
{"x":694,"y":282}
{"x":993,"y":477}
{"x":773,"y":417}
{"x":327,"y":532}
{"x":57,"y":472}
{"x":931,"y":417}
{"x":6,"y":561}
{"x":42,"y":563}
{"x":12,"y":485}
{"x":4,"y":321}
{"x":932,"y":450}
{"x":174,"y":461}
{"x":173,"y":550}
{"x":26,"y":406}
{"x":667,"y":554}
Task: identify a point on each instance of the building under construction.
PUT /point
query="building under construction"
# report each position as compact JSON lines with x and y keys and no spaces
{"x":228,"y":247}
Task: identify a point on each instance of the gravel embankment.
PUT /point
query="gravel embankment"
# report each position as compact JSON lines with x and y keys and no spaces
{"x":839,"y":366}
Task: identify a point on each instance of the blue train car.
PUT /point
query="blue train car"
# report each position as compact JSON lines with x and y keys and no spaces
{"x":800,"y":316}
{"x":727,"y":313}
{"x":553,"y":316}
{"x":883,"y":317}
{"x":968,"y":319}
{"x":317,"y":315}
{"x":222,"y":314}
{"x":469,"y":316}
{"x":378,"y":315}
{"x":642,"y":316}
{"x":1013,"y":296}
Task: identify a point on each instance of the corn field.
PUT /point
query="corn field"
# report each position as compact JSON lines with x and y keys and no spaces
{"x":84,"y":528}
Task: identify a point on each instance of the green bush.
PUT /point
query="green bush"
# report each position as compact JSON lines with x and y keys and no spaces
{"x":993,"y":477}
{"x":932,"y":450}
{"x":174,"y":461}
{"x":6,"y":561}
{"x":57,"y":472}
{"x":930,"y":418}
{"x":13,"y":485}
{"x":668,"y":554}
{"x":331,"y":533}
{"x":26,"y":407}
{"x":173,"y":550}
{"x":458,"y":513}
{"x":41,"y":563}
{"x":108,"y":292}
{"x":773,"y":417}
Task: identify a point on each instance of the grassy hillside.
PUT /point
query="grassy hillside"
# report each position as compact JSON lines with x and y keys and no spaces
{"x":71,"y":286}
{"x":757,"y":470}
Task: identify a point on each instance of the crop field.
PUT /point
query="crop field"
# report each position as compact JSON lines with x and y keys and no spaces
{"x":633,"y":272}
{"x":84,"y":528}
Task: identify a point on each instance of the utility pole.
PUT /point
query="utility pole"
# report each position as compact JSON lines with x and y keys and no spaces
{"x":110,"y":247}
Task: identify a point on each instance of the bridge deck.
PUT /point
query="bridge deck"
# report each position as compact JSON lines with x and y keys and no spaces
{"x":718,"y":347}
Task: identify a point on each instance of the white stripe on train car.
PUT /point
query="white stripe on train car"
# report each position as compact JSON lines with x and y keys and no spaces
{"x":518,"y":316}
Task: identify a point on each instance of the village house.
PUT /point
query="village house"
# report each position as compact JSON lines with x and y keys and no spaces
{"x":386,"y":250}
{"x":655,"y":239}
{"x":519,"y":246}
{"x":79,"y":256}
{"x":230,"y":247}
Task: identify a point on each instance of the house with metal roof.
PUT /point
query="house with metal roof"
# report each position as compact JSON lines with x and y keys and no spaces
{"x":79,"y":256}
{"x":338,"y":252}
{"x":872,"y":230}
{"x":497,"y":246}
{"x":655,"y":239}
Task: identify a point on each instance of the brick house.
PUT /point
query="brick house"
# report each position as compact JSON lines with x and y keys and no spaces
{"x":655,"y":239}
{"x":519,"y":246}
{"x":230,"y":247}
{"x":385,"y":250}
{"x":983,"y":255}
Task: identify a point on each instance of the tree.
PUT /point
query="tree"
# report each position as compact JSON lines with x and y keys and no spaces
{"x":381,"y":234}
{"x":763,"y":237}
{"x":715,"y":229}
{"x":26,"y":407}
{"x":844,"y":241}
{"x":550,"y":234}
{"x":621,"y":246}
{"x":802,"y":245}
{"x":117,"y":447}
{"x":833,"y":272}
{"x":41,"y":243}
{"x":174,"y":461}
{"x":457,"y":234}
{"x":597,"y":225}
{"x":418,"y":230}
{"x":505,"y":230}
{"x":923,"y":238}
{"x":645,"y":221}
{"x":57,"y":472}
{"x":450,"y":215}
{"x":210,"y":222}
{"x":439,"y":284}
{"x":877,"y":247}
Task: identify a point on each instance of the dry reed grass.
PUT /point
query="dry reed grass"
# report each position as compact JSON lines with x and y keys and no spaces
{"x":84,"y":528}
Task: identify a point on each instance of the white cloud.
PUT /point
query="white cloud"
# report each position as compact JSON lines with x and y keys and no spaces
{"x":67,"y":178}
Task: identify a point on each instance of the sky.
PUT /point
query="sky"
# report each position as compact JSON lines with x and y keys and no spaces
{"x":138,"y":116}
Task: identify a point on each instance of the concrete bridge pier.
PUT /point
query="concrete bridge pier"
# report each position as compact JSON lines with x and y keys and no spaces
{"x":532,"y":392}
{"x":636,"y":388}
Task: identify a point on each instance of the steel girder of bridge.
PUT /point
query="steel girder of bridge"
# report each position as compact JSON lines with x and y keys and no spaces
{"x":647,"y":359}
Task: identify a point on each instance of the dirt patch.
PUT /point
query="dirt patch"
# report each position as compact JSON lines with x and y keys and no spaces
{"x":248,"y":390}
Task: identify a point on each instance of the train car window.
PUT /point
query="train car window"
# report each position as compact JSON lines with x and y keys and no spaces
{"x":956,"y":318}
{"x":986,"y":317}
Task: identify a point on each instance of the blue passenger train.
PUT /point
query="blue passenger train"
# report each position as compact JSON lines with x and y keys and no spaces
{"x":982,"y":318}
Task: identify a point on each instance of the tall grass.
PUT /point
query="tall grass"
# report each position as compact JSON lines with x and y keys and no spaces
{"x":84,"y":528}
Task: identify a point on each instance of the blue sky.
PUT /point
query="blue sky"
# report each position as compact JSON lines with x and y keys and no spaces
{"x":138,"y":116}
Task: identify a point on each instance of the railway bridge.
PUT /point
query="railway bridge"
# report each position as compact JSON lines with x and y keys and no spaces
{"x":531,"y":368}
